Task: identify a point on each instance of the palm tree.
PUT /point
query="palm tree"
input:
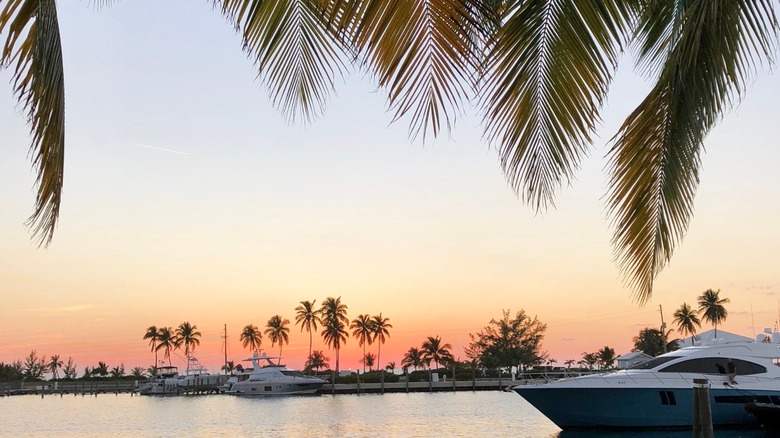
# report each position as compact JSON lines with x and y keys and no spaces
{"x":541,"y":111}
{"x":153,"y":335}
{"x":569,"y":363}
{"x":101,"y":369}
{"x":390,"y":367}
{"x":712,"y":307}
{"x":167,"y":341}
{"x":251,"y":337}
{"x":188,"y":335}
{"x":381,"y":333}
{"x":137,"y":372}
{"x":434,"y":350}
{"x":118,"y":371}
{"x":687,"y":321}
{"x":334,"y":322}
{"x":317,"y":360}
{"x":368,"y":360}
{"x":363,"y":329}
{"x":653,"y":342}
{"x":606,"y":357}
{"x":412,"y":358}
{"x":276,"y":329}
{"x":229,"y":367}
{"x":590,"y":359}
{"x":308,"y":317}
{"x":55,"y":363}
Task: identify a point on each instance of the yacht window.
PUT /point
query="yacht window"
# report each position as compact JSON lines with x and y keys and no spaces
{"x":652,"y":363}
{"x":714,"y":365}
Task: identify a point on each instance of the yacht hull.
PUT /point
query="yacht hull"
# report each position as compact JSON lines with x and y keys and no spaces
{"x":273,"y":388}
{"x":632,"y":408}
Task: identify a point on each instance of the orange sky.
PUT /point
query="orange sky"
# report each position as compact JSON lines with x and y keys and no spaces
{"x":255,"y":215}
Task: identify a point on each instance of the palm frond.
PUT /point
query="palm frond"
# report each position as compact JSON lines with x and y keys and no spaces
{"x":655,"y":158}
{"x":421,"y":51}
{"x":549,"y":68}
{"x":33,"y":47}
{"x":297,"y":56}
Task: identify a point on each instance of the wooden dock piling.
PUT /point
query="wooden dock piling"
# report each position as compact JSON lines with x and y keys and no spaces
{"x":702,"y":411}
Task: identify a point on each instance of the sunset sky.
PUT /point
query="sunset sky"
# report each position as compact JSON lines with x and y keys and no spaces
{"x":189,"y":198}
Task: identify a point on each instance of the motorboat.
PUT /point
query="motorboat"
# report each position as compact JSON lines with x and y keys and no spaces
{"x":197,"y":376}
{"x":268,"y":376}
{"x":659,"y":393}
{"x":164,"y":382}
{"x":168,"y":381}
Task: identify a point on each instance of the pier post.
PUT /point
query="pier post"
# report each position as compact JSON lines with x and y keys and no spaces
{"x":382,"y":381}
{"x":454,"y":386}
{"x":702,"y":412}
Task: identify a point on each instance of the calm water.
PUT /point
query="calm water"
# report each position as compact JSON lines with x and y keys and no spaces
{"x":465,"y":414}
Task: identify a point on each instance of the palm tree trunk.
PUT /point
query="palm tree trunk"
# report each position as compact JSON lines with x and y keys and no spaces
{"x":307,"y":358}
{"x":364,"y":358}
{"x":378,"y":353}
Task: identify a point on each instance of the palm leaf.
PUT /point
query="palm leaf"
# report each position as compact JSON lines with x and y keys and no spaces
{"x":421,"y":51}
{"x":33,"y":48}
{"x":655,"y":158}
{"x":297,"y":57}
{"x":548,"y":71}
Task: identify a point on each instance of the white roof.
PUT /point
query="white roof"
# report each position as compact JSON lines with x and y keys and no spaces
{"x":709,"y":336}
{"x":634,"y":355}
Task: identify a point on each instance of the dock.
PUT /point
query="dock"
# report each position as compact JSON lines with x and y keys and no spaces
{"x":95,"y":388}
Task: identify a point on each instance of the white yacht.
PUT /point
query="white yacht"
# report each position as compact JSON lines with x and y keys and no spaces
{"x":659,"y":393}
{"x":269,"y":378}
{"x":168,"y":381}
{"x":164,"y":382}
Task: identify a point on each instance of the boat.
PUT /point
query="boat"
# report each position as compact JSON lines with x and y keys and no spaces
{"x":659,"y":393}
{"x":267,"y":377}
{"x":164,"y":382}
{"x":168,"y":381}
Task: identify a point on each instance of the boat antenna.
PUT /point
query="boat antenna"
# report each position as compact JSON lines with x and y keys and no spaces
{"x":752,"y":321}
{"x":663,"y":329}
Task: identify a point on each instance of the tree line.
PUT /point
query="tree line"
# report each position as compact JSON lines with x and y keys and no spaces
{"x":510,"y":341}
{"x":35,"y":366}
{"x":334,"y":325}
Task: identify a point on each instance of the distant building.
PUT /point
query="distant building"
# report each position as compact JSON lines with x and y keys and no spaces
{"x":629,"y":360}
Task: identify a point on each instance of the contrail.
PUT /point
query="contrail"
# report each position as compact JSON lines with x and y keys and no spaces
{"x":162,"y":149}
